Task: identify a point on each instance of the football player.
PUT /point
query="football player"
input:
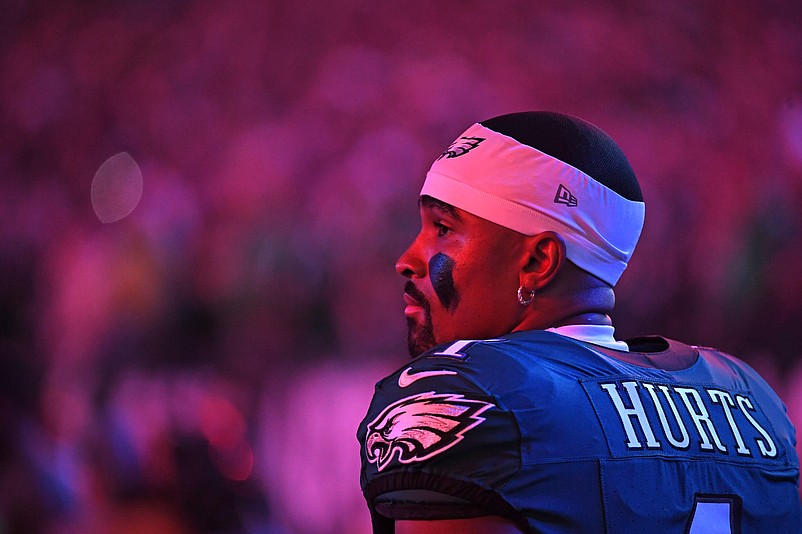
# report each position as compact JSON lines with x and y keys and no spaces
{"x":520,"y":410}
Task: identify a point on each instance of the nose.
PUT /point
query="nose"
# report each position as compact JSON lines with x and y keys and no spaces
{"x":410,"y":264}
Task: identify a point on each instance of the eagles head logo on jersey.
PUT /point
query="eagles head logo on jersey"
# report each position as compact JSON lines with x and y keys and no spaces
{"x":461,"y":146}
{"x":421,"y":426}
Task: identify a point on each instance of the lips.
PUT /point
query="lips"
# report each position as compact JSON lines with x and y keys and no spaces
{"x":410,"y":300}
{"x":414,"y":300}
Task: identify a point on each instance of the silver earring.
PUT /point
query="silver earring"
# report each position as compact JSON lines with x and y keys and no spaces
{"x":522,"y":300}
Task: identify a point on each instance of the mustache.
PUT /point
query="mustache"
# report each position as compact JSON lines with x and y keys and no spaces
{"x":411,"y":290}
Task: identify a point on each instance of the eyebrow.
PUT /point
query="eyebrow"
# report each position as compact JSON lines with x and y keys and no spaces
{"x":430,"y":202}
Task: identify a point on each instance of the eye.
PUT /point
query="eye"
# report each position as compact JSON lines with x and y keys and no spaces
{"x":442,"y":229}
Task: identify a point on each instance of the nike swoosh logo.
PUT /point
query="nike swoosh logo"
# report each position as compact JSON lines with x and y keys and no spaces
{"x":408,"y":377}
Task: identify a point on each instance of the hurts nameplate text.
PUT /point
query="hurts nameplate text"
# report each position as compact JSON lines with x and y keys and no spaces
{"x":645,"y":418}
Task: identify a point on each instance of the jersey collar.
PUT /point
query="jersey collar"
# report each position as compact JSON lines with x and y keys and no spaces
{"x":595,"y":334}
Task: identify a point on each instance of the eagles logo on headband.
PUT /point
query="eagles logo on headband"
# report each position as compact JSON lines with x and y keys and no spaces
{"x":461,"y":146}
{"x":538,"y":171}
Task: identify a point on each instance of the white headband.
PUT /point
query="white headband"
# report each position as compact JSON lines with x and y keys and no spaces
{"x":495,"y":177}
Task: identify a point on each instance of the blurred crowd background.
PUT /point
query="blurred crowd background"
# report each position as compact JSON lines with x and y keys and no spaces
{"x":200,"y":366}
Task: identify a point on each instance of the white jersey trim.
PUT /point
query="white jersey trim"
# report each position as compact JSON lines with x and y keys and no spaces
{"x":595,"y":334}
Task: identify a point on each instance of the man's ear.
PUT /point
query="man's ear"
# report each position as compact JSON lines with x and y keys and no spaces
{"x":544,"y":256}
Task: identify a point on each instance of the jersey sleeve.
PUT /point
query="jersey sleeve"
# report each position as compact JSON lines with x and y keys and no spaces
{"x":435,"y":444}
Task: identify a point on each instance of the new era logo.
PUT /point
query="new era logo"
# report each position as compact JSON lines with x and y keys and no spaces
{"x":564,"y":196}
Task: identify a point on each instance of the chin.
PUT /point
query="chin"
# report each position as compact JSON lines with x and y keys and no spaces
{"x":420,"y":337}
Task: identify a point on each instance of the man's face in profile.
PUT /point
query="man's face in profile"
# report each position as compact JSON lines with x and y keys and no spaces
{"x":463,"y":277}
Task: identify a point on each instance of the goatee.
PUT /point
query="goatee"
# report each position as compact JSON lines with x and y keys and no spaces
{"x":420,"y":335}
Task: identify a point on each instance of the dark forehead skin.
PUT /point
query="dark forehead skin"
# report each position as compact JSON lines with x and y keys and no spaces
{"x":429,"y":202}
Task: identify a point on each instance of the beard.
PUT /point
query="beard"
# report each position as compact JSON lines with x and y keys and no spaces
{"x":420,"y":334}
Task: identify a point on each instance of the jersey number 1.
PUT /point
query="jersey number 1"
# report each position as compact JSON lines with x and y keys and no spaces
{"x":715,"y":514}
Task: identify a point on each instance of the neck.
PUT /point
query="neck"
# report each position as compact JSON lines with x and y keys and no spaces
{"x":576,"y":298}
{"x":585,"y":318}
